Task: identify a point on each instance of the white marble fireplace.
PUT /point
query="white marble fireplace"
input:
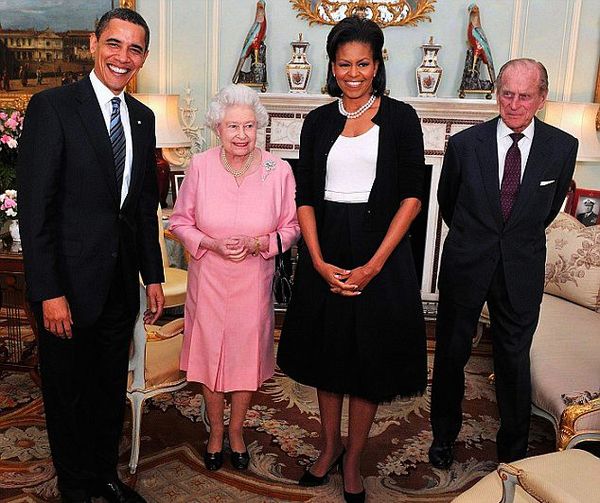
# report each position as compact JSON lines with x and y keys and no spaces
{"x":440,"y":118}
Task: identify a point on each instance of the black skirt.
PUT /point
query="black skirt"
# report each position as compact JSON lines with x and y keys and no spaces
{"x":373,"y":345}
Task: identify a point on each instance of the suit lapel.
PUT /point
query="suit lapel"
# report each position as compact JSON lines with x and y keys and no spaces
{"x":137,"y":137}
{"x":95,"y":129}
{"x":487,"y":155}
{"x":533,"y":169}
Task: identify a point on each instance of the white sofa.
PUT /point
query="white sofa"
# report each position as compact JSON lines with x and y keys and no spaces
{"x":565,"y":354}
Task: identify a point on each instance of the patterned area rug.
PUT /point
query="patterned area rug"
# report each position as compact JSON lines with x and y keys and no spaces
{"x":281,"y":433}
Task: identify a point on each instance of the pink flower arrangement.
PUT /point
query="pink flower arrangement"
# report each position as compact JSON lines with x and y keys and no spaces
{"x":8,"y":203}
{"x":11,"y":126}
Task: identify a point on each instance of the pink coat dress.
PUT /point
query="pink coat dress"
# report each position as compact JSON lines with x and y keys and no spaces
{"x":228,"y":335}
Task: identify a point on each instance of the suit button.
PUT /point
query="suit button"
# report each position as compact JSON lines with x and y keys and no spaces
{"x":114,"y":254}
{"x":120,"y":217}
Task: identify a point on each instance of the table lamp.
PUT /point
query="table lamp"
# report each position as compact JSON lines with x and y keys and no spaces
{"x":168,"y":134}
{"x":578,"y":119}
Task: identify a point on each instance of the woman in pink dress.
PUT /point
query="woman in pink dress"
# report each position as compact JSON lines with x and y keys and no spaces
{"x":233,"y":203}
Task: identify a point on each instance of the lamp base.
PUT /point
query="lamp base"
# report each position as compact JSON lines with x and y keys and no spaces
{"x":163,"y":171}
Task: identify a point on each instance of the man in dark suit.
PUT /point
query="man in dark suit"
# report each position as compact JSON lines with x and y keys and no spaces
{"x":588,"y":217}
{"x":88,"y":199}
{"x":502,"y":183}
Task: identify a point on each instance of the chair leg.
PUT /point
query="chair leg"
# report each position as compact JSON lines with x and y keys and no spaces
{"x":137,"y":401}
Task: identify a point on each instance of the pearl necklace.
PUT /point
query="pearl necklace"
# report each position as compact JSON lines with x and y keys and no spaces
{"x":236,"y":172}
{"x":356,"y":113}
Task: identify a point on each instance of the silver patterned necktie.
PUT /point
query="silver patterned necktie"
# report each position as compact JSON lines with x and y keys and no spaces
{"x":117,"y":139}
{"x":511,"y":179}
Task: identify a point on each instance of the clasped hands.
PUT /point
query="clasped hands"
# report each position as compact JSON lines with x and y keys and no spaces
{"x":234,"y":248}
{"x":347,"y":282}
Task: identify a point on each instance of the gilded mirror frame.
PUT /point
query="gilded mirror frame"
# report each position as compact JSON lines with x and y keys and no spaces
{"x":384,"y":12}
{"x":19,"y":101}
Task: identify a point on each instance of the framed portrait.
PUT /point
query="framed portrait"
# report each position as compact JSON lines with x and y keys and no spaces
{"x":586,"y":206}
{"x":46,"y":44}
{"x":177,"y":176}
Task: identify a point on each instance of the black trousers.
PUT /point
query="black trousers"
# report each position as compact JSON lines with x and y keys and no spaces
{"x":84,"y":382}
{"x":512,"y":333}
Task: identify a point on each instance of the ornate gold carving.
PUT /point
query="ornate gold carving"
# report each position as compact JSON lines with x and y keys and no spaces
{"x":384,"y":12}
{"x":567,"y":420}
{"x":14,"y":101}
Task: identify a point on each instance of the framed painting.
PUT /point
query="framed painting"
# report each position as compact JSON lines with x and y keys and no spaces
{"x":177,"y":176}
{"x":586,"y":206}
{"x":46,"y":44}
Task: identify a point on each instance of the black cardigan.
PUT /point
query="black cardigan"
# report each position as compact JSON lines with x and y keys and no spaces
{"x":400,"y":160}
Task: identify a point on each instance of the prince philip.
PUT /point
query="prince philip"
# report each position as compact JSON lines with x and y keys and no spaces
{"x":88,"y":199}
{"x":502,"y":184}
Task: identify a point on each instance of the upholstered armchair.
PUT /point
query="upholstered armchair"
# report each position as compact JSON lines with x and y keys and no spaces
{"x":154,"y":369}
{"x":154,"y":358}
{"x":570,"y":476}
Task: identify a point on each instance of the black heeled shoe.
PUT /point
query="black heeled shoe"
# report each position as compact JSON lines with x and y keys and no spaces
{"x":240,"y":460}
{"x":310,"y":480}
{"x":213,"y":460}
{"x":351,"y":497}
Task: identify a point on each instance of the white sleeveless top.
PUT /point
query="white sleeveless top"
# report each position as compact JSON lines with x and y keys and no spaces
{"x":351,"y":167}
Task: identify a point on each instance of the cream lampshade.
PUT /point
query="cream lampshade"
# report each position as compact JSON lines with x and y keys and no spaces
{"x":166,"y":109}
{"x":578,"y":119}
{"x":168,"y":134}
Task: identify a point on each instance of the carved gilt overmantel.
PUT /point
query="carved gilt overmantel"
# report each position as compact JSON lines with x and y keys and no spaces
{"x":440,"y":119}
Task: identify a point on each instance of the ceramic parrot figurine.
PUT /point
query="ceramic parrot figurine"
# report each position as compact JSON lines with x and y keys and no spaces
{"x":479,"y":43}
{"x":255,"y":36}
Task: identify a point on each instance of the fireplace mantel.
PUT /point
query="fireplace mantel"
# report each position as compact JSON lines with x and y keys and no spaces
{"x":440,"y":119}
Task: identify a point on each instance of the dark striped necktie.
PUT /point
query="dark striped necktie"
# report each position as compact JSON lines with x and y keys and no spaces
{"x":117,"y":139}
{"x":511,"y":179}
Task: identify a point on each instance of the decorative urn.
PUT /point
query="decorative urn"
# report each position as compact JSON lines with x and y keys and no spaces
{"x":429,"y":73}
{"x":298,"y":70}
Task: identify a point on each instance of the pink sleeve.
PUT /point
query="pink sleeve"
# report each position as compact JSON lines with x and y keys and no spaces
{"x":183,"y":220}
{"x":287,"y":227}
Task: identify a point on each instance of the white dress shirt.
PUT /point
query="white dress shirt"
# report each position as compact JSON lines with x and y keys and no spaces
{"x":104,"y":95}
{"x":505,"y":141}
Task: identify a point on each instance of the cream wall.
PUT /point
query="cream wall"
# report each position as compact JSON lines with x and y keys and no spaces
{"x":197,"y":42}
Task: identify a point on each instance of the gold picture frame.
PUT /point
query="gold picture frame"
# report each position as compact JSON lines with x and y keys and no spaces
{"x":384,"y":12}
{"x":19,"y":100}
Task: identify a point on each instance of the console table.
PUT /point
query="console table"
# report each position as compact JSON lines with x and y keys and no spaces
{"x":18,"y":330}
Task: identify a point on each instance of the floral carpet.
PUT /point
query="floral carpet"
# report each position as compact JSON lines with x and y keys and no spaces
{"x":281,"y":434}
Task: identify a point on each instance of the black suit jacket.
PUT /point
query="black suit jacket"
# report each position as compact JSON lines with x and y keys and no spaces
{"x":73,"y":231}
{"x":469,"y":199}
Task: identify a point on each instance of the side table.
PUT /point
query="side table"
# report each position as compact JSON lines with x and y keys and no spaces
{"x":18,"y":329}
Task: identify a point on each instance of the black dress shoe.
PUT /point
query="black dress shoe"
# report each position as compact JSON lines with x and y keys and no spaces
{"x":441,"y":454}
{"x":351,"y":497}
{"x":66,"y":499}
{"x":310,"y":480}
{"x":117,"y":492}
{"x":213,"y":460}
{"x":355,"y":497}
{"x":240,"y":460}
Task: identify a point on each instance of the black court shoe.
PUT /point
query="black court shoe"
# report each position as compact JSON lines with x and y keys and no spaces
{"x":213,"y":460}
{"x":351,"y":497}
{"x":240,"y":460}
{"x":310,"y":480}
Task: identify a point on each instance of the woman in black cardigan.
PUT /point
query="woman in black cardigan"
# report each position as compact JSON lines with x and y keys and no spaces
{"x":355,"y":322}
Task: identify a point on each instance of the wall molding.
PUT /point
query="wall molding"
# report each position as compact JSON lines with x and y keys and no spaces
{"x":516,"y":39}
{"x":572,"y":52}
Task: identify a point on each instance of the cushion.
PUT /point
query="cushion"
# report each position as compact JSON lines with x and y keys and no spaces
{"x":573,"y":261}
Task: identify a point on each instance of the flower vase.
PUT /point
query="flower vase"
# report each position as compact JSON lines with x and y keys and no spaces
{"x":14,"y":234}
{"x":429,"y":73}
{"x":298,"y":69}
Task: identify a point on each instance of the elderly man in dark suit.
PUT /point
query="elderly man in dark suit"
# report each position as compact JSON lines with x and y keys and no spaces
{"x":88,"y":199}
{"x":502,"y":183}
